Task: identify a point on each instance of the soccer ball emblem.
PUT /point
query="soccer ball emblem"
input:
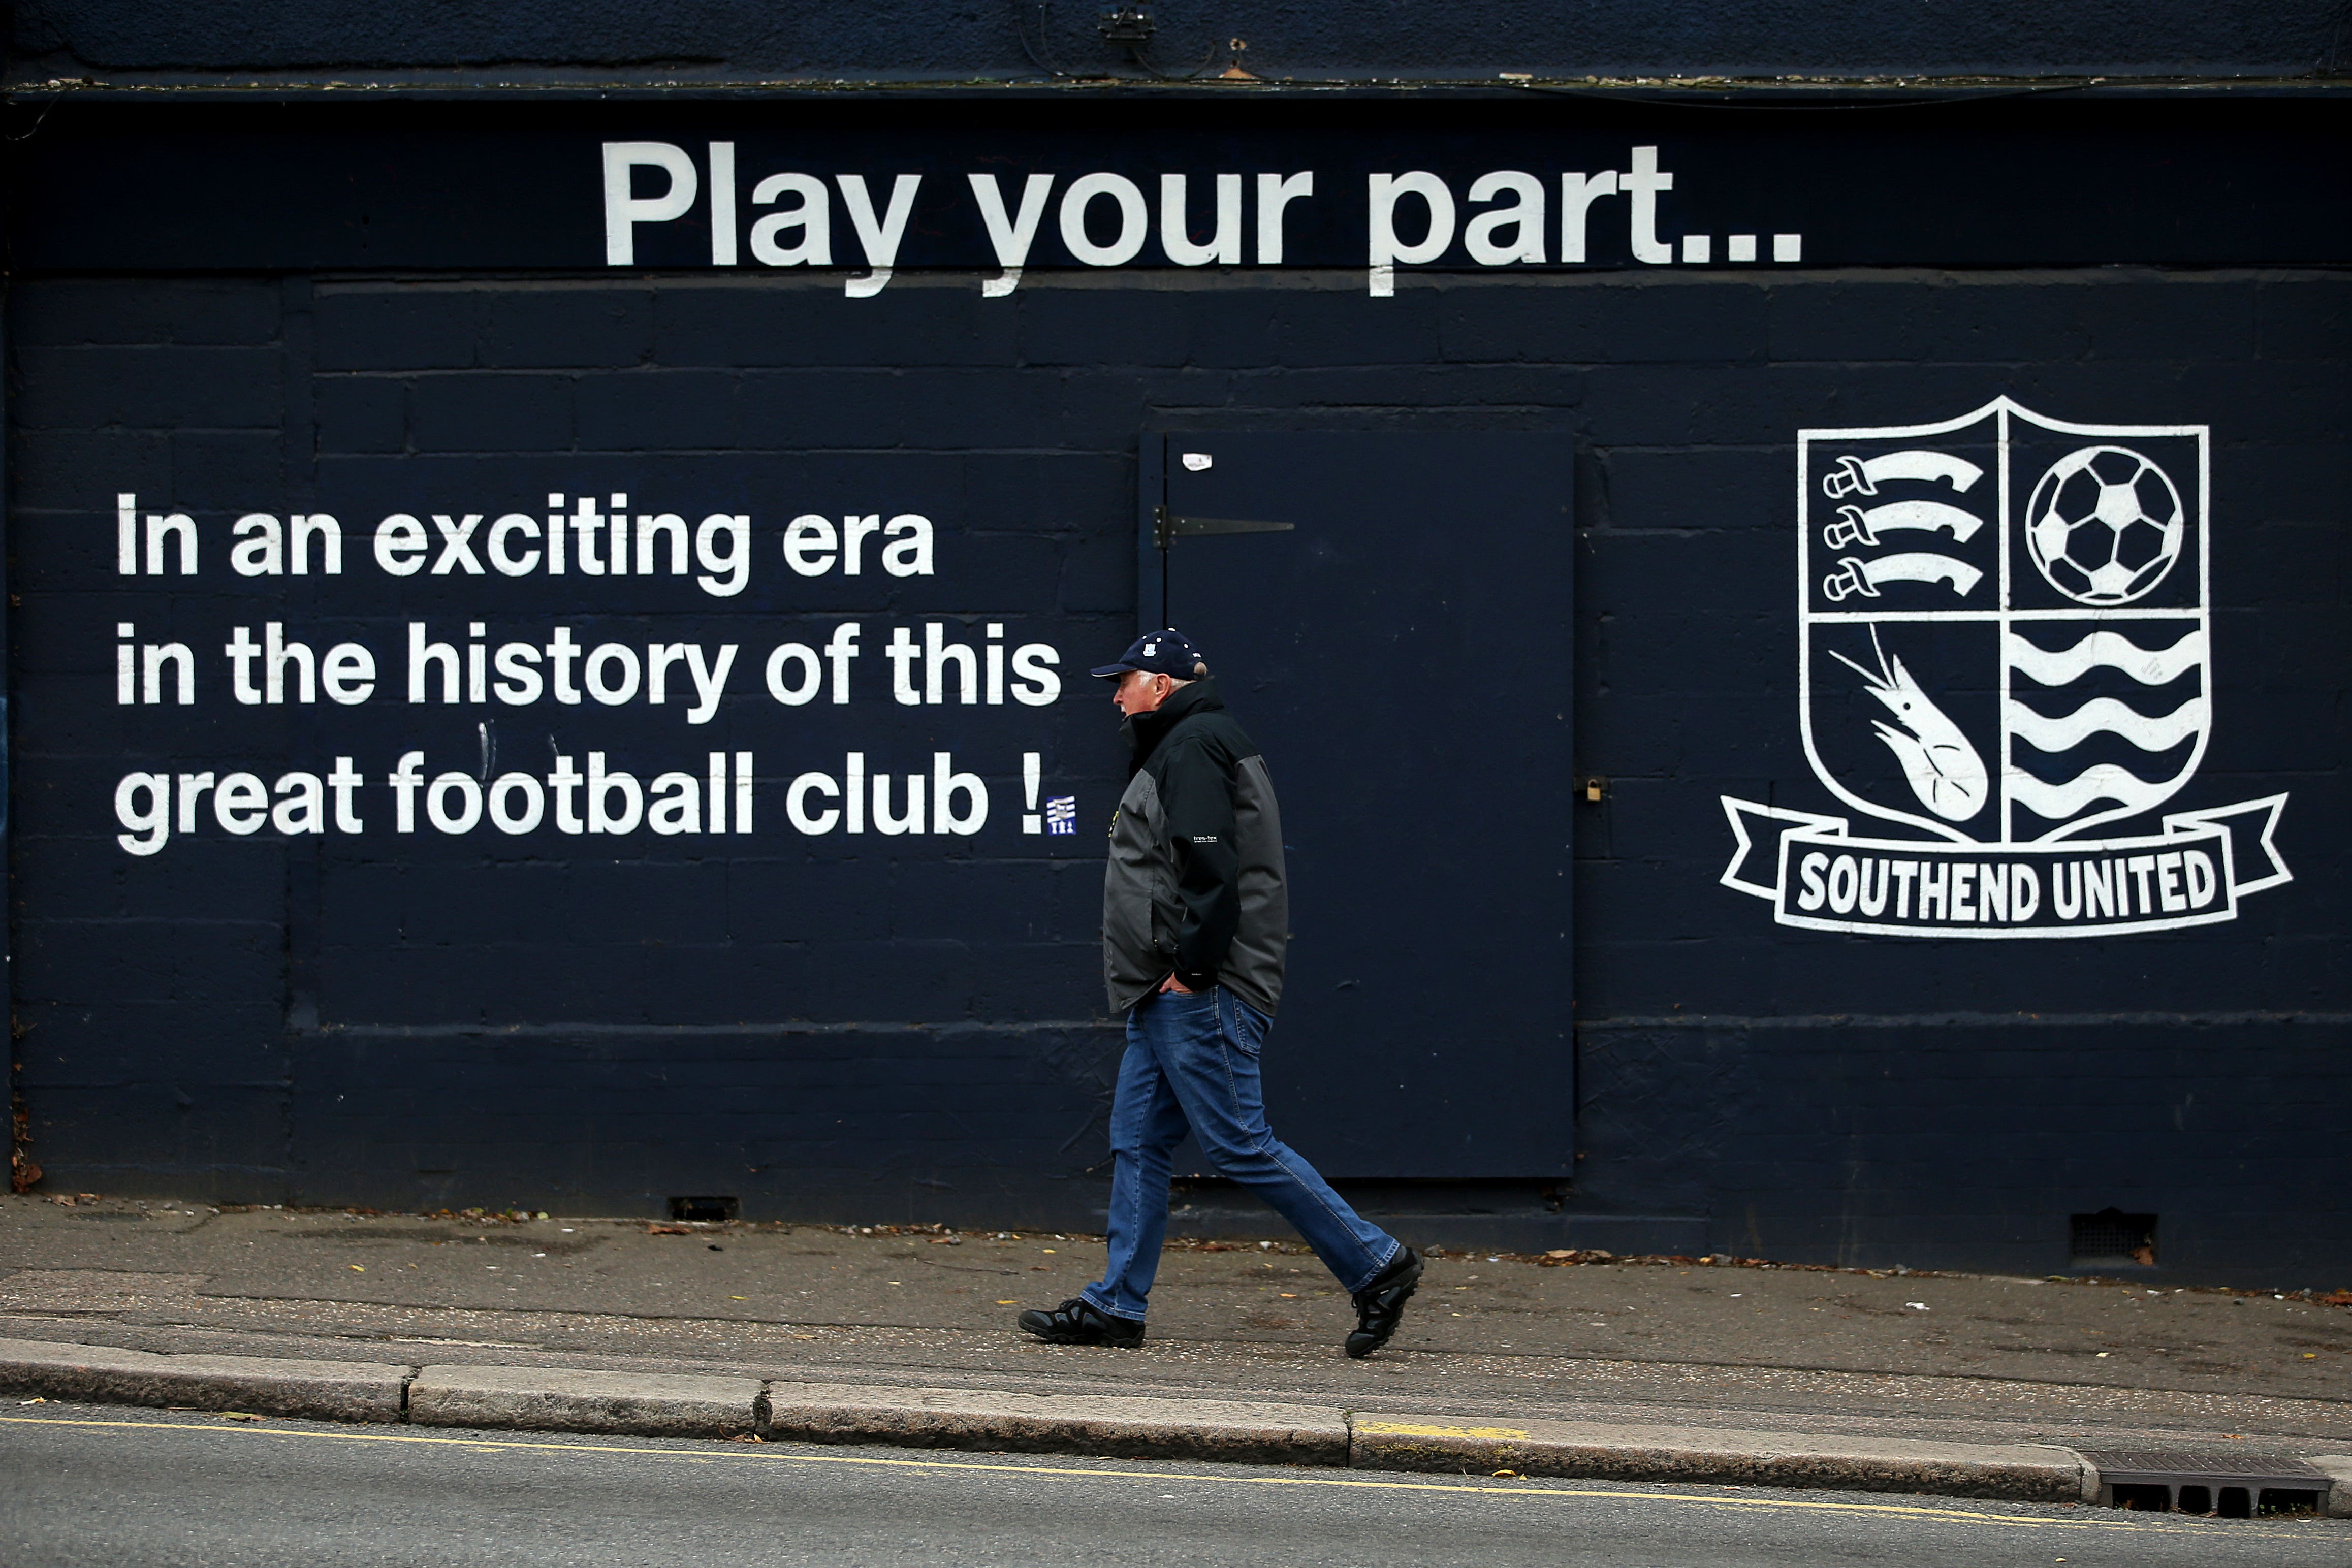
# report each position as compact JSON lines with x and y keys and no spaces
{"x":2105,"y":525}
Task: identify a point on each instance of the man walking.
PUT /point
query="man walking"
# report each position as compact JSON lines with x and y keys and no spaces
{"x":1195,"y":925}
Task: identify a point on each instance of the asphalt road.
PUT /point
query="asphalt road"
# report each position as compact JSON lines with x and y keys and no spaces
{"x":88,"y":1487}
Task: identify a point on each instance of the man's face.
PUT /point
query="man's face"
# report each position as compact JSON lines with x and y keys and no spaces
{"x":1140,"y":691}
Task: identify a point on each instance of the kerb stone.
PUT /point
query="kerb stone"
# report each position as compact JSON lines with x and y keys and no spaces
{"x":2340,"y":1469}
{"x":1114,"y":1425}
{"x":1604,"y":1451}
{"x":547,"y":1399}
{"x":265,"y":1386}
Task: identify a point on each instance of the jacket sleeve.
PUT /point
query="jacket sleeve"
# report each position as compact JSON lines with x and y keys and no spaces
{"x":1197,"y":794}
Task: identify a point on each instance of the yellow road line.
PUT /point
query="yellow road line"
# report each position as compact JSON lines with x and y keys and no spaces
{"x":765,"y":1455}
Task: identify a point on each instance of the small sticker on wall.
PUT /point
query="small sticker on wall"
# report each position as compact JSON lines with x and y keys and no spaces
{"x":1196,"y":461}
{"x":1062,"y":816}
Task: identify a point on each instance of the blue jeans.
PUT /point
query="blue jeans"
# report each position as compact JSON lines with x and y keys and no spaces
{"x":1192,"y":1062}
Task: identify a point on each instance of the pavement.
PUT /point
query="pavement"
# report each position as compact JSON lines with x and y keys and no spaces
{"x":99,"y":1487}
{"x":1662,"y":1369}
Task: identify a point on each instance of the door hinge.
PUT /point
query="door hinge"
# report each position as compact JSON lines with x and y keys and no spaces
{"x":1166,"y":526}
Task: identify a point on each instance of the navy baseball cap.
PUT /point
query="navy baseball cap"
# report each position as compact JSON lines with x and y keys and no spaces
{"x":1164,"y":652}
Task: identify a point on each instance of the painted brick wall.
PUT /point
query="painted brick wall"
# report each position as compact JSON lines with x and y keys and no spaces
{"x":201,"y":1027}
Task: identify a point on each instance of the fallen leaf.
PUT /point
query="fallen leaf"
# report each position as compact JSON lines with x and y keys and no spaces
{"x":356,"y":1268}
{"x":1004,"y":1303}
{"x":668,"y":1230}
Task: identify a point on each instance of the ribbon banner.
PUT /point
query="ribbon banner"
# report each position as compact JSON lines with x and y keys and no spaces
{"x":1820,"y":876}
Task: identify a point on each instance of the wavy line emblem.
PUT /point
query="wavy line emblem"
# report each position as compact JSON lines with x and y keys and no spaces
{"x":2108,"y":649}
{"x":2106,"y":716}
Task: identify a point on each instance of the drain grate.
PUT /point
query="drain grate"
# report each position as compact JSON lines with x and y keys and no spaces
{"x":706,"y":1209}
{"x":2234,"y":1486}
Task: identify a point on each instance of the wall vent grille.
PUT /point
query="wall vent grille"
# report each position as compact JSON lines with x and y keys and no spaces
{"x":2113,"y":1238}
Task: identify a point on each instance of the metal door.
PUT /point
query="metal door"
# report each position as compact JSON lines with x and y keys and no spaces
{"x":1401,"y":653}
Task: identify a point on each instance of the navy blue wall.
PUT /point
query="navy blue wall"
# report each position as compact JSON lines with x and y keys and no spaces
{"x":904,"y":1029}
{"x":618,"y":41}
{"x":197,"y":1021}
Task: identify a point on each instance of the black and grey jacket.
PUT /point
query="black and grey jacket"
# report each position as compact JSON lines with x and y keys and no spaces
{"x":1194,"y":887}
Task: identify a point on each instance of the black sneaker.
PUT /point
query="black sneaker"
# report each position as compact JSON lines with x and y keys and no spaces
{"x":1079,"y":1321}
{"x":1380,"y":1306}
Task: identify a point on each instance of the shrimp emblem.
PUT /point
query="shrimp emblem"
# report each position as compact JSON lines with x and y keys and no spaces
{"x":1944,"y":770}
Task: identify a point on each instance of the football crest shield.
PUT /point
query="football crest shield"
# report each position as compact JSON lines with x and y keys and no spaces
{"x":2006,"y":665}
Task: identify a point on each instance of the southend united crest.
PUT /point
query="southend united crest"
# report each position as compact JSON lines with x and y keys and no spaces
{"x":2006,"y":664}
